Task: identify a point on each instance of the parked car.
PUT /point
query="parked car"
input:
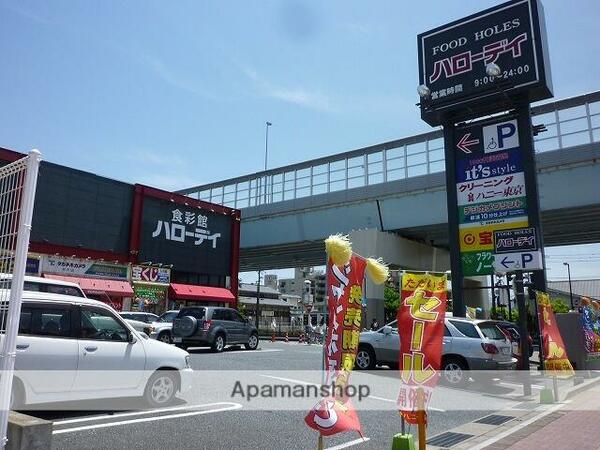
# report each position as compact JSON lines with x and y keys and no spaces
{"x":467,"y":345}
{"x":86,"y":337}
{"x":215,"y":327}
{"x":162,"y":327}
{"x":39,"y":284}
{"x":140,"y":327}
{"x":512,"y":329}
{"x":139,"y":316}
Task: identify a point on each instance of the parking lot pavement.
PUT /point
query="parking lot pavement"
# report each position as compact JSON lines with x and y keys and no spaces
{"x":209,"y":418}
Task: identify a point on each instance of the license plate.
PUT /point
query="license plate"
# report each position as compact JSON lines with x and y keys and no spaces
{"x":505,"y":350}
{"x":177,"y":339}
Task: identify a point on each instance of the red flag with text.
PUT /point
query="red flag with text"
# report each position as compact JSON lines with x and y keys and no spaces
{"x":421,"y":316}
{"x":344,"y":290}
{"x":555,"y":355}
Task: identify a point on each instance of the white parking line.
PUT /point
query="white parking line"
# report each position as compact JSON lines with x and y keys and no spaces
{"x":513,"y":385}
{"x":291,"y":380}
{"x":130,"y":414}
{"x":349,"y":444}
{"x":230,"y":407}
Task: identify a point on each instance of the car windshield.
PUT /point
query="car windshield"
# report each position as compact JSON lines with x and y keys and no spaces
{"x":168,"y":316}
{"x":491,"y":331}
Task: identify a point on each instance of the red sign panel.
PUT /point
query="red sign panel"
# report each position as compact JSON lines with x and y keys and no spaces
{"x":555,"y":355}
{"x":421,"y":328}
{"x":333,"y":415}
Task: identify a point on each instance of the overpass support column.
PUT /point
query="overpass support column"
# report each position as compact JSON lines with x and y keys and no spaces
{"x":398,"y":252}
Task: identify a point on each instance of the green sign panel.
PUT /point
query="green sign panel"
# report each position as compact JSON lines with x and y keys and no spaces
{"x":477,"y":263}
{"x":153,"y":293}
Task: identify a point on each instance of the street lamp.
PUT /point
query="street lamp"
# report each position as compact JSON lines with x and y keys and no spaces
{"x":570,"y":285}
{"x":267,"y":125}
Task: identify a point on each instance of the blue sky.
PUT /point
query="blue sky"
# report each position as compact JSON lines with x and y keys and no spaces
{"x":177,"y":93}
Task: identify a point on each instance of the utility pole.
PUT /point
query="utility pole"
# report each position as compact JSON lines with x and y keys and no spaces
{"x":570,"y":286}
{"x":267,"y":125}
{"x":257,"y":301}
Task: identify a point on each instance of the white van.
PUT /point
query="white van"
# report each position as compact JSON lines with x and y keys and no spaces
{"x":39,"y":284}
{"x":72,"y":348}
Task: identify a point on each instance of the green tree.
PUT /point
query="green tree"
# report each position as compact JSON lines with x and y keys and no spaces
{"x":559,"y":306}
{"x":392,"y":302}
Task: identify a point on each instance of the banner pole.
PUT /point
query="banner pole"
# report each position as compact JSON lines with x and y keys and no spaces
{"x":320,"y":439}
{"x":555,"y":385}
{"x":421,"y":419}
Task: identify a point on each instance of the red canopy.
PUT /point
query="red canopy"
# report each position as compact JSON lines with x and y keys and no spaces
{"x":97,"y":285}
{"x":201,"y":293}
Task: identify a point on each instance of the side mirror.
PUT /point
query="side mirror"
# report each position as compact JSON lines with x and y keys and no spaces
{"x":387,"y":330}
{"x":131,"y":338}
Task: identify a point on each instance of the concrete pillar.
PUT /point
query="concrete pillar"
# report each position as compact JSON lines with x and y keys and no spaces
{"x":474,"y":297}
{"x":397,"y":251}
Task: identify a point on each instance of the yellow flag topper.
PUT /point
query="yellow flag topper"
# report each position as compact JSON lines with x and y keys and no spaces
{"x":339,"y":249}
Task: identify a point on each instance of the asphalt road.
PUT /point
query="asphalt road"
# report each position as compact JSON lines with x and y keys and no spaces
{"x":210,"y":418}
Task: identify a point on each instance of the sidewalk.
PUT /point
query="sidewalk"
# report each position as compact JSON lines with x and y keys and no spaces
{"x":574,"y":426}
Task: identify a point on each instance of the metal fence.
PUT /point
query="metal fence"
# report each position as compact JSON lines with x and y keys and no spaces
{"x":570,"y":122}
{"x":17,"y":194}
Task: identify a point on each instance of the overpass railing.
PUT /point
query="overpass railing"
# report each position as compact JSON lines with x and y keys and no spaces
{"x":569,"y":122}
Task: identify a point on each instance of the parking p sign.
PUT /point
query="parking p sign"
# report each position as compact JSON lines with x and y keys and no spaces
{"x":500,"y":136}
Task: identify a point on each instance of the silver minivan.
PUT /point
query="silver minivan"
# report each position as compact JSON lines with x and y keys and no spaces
{"x":467,"y":345}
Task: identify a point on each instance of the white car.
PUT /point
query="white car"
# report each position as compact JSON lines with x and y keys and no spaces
{"x":39,"y":284}
{"x":92,"y":353}
{"x":162,"y":328}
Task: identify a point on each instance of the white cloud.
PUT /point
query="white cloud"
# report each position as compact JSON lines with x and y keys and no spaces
{"x":176,"y":80}
{"x":296,"y":95}
{"x":169,"y":181}
{"x":19,"y":10}
{"x":149,"y":157}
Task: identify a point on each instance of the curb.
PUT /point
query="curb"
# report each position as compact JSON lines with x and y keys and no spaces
{"x":582,"y":387}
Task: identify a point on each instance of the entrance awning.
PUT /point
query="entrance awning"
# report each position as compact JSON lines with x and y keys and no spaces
{"x":200,"y":293}
{"x":97,"y":285}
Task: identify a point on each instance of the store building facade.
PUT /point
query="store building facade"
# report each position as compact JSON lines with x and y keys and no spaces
{"x":133,"y":246}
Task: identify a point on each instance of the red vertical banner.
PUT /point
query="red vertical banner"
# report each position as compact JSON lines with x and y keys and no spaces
{"x":345,"y":291}
{"x":421,"y":328}
{"x":555,"y":355}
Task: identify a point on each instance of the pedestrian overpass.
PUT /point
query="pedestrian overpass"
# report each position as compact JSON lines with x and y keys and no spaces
{"x":398,"y":188}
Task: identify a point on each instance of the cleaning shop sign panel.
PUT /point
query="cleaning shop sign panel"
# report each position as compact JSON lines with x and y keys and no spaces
{"x":453,"y":60}
{"x":192,"y":239}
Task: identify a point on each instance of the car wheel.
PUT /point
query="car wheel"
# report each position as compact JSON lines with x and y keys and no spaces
{"x":219,"y":343}
{"x":454,"y":372}
{"x":252,"y":342}
{"x":161,"y":388}
{"x":165,"y":337}
{"x":365,"y":358}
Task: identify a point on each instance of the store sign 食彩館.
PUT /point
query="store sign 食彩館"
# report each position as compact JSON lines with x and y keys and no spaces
{"x":151,"y":274}
{"x":84,"y":267}
{"x":192,"y":239}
